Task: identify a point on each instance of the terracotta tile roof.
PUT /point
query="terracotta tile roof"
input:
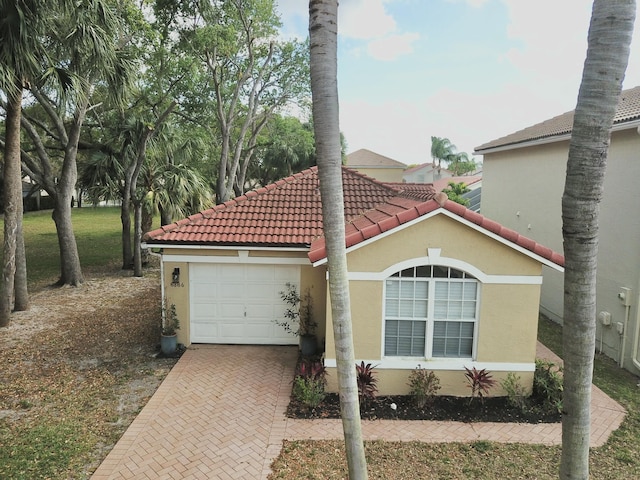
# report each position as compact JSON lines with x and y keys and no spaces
{"x":628,"y":110}
{"x":366,"y":158}
{"x":398,"y":210}
{"x":425,"y":166}
{"x":419,"y":191}
{"x":286,"y":213}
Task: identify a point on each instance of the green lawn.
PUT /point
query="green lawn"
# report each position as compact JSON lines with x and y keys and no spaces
{"x":98,"y":235}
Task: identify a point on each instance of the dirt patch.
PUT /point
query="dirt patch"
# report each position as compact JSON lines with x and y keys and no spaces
{"x":86,"y":355}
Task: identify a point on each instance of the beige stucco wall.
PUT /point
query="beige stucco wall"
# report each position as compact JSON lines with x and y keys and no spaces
{"x":395,"y":381}
{"x":508,"y":314}
{"x":393,"y":175}
{"x":522,"y":189}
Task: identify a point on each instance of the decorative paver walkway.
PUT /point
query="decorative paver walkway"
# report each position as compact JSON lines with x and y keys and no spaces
{"x":219,"y":414}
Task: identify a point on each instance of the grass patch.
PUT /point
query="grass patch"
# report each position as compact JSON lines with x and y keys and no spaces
{"x":41,"y":450}
{"x":618,"y":459}
{"x":79,"y":365}
{"x":98,"y":236}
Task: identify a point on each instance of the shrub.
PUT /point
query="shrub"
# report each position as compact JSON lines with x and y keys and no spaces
{"x":480,"y":382}
{"x":515,"y":391}
{"x":308,"y":391}
{"x":298,"y":315}
{"x":424,"y":385}
{"x":367,"y":383}
{"x":547,"y":385}
{"x":170,"y":322}
{"x":309,"y":383}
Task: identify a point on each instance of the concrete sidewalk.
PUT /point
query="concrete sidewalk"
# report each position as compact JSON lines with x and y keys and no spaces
{"x":220,"y":414}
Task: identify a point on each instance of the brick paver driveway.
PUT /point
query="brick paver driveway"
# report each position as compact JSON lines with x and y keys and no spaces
{"x":218,"y":414}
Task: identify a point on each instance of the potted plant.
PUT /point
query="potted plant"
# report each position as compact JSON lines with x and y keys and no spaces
{"x":170,"y":323}
{"x":298,"y":318}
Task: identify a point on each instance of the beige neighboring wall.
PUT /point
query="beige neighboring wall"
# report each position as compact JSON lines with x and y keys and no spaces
{"x":508,"y":313}
{"x":522,"y":189}
{"x":382,"y":174}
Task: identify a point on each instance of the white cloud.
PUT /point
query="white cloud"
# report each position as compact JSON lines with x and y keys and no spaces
{"x":392,"y":46}
{"x":369,"y":21}
{"x":364,"y":19}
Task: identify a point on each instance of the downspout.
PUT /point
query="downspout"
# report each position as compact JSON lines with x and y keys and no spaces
{"x":636,"y":341}
{"x":159,"y":255}
{"x":627,"y":311}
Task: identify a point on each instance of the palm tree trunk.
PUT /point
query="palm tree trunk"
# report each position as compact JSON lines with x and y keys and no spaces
{"x":323,"y":17}
{"x":137,"y":238}
{"x":607,"y":57}
{"x":70,"y":269}
{"x":21,"y":302}
{"x":125,"y":219}
{"x":12,"y":201}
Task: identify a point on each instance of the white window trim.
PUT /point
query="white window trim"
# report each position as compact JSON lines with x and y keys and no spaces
{"x":434,"y":258}
{"x":430,"y":321}
{"x":400,"y":363}
{"x":242,"y":257}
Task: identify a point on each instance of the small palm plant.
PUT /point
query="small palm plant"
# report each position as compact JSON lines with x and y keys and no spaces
{"x":480,"y":382}
{"x":367,"y":382}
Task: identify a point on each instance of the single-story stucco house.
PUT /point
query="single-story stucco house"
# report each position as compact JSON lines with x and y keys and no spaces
{"x":432,"y":283}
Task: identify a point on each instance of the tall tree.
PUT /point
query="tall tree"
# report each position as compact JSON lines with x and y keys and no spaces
{"x":248,"y":75}
{"x":86,"y":44}
{"x":460,"y":163}
{"x":441,"y":150}
{"x":22,"y":55}
{"x":609,"y":42}
{"x":286,"y":147}
{"x":323,"y":31}
{"x":455,"y":192}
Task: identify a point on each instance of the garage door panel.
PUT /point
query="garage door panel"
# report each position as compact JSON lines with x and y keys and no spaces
{"x":204,"y":292}
{"x":233,"y":303}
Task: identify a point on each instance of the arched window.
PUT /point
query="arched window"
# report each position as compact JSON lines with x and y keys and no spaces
{"x":430,"y":311}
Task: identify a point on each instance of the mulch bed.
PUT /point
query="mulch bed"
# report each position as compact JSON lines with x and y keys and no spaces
{"x":443,"y":408}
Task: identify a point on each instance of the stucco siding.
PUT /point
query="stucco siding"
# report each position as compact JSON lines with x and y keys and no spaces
{"x":522,"y":189}
{"x":455,"y":241}
{"x":395,"y":382}
{"x":393,"y":175}
{"x":508,"y":323}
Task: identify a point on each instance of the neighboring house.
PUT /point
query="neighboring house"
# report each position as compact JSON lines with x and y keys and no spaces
{"x":432,"y":283}
{"x":383,"y":169}
{"x":523,"y":178}
{"x":425,"y":173}
{"x":472,"y":182}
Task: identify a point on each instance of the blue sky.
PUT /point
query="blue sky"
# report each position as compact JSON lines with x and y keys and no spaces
{"x":468,"y":70}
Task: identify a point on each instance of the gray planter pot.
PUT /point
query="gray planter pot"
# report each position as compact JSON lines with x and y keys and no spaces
{"x":308,"y":345}
{"x":168,"y":344}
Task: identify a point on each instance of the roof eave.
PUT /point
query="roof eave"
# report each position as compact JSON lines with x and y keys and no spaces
{"x":445,"y":211}
{"x":553,"y":139}
{"x":228,"y":246}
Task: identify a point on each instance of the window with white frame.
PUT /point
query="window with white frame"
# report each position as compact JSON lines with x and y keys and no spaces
{"x":430,"y":311}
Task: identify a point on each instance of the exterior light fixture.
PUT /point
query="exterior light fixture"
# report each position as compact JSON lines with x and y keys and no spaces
{"x":175,"y":277}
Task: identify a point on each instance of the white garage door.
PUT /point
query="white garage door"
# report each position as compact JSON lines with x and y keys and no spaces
{"x":233,"y":303}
